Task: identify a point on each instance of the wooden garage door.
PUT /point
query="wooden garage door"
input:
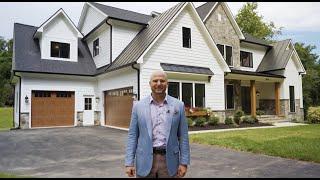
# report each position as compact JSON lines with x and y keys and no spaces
{"x":50,"y":108}
{"x":118,"y":107}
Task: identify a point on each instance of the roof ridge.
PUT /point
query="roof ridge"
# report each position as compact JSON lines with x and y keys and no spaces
{"x":119,"y":8}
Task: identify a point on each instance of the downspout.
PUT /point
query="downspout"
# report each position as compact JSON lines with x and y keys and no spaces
{"x":110,"y":40}
{"x":14,"y":74}
{"x":138,"y":73}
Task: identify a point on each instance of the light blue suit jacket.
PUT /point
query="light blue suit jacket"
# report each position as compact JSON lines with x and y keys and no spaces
{"x":139,"y":145}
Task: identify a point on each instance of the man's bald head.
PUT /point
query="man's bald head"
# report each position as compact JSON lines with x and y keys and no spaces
{"x":158,"y":73}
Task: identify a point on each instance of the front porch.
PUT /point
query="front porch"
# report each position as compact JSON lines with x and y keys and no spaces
{"x":257,"y":94}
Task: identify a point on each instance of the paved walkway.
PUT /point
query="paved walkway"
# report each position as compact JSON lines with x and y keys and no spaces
{"x":99,"y":152}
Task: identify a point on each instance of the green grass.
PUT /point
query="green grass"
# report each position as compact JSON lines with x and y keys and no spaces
{"x":6,"y":118}
{"x":297,"y":142}
{"x":6,"y":175}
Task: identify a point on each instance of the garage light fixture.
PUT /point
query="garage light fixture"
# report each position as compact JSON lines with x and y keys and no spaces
{"x":97,"y":99}
{"x":26,"y":99}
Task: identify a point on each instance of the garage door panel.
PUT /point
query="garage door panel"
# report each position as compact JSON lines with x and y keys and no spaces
{"x":52,"y":111}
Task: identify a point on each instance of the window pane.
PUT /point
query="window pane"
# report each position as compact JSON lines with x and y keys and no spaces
{"x":186,"y":36}
{"x":221,"y":49}
{"x":229,"y":55}
{"x":292,"y":99}
{"x":60,"y":50}
{"x":187,"y":94}
{"x":65,"y":49}
{"x":230,"y":97}
{"x":54,"y":49}
{"x":246,"y":59}
{"x":173,"y":89}
{"x":200,"y":95}
{"x":96,"y":47}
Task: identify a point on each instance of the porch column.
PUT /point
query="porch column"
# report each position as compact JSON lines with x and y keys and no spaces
{"x":277,"y":97}
{"x":253,"y":97}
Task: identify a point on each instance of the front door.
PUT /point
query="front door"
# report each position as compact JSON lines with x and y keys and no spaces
{"x":88,"y":113}
{"x":245,"y":99}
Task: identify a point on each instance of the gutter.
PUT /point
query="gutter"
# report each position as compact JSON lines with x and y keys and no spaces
{"x":14,"y":74}
{"x":138,"y":74}
{"x":110,"y":40}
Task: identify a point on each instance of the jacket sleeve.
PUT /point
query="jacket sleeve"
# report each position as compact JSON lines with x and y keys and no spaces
{"x":183,"y":137}
{"x":133,"y":135}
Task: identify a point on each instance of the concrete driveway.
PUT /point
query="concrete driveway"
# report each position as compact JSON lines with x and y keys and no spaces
{"x":99,"y":152}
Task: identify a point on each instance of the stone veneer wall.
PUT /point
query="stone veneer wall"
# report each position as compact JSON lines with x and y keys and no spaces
{"x":24,"y":120}
{"x":97,"y":115}
{"x":285,"y":110}
{"x":267,"y":106}
{"x":80,"y":118}
{"x":223,"y":32}
{"x":237,"y":96}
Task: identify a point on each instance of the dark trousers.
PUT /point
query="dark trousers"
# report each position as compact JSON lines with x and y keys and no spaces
{"x":159,"y":168}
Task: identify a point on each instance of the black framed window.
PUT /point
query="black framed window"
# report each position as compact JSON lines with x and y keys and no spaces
{"x":292,"y":99}
{"x":174,"y":89}
{"x":87,"y":103}
{"x":60,"y":50}
{"x":186,"y":36}
{"x":63,"y":94}
{"x":226,"y":52}
{"x":187,"y":92}
{"x":230,"y":96}
{"x":96,"y":47}
{"x":199,"y":95}
{"x":246,"y":59}
{"x":42,"y":94}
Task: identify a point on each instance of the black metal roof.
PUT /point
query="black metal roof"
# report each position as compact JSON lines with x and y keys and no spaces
{"x":252,"y":73}
{"x":204,"y":9}
{"x":186,"y":69}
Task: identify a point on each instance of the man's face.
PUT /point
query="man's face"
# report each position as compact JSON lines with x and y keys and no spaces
{"x":158,"y":84}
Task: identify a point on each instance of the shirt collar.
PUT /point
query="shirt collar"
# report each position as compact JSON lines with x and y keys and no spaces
{"x":165,"y":99}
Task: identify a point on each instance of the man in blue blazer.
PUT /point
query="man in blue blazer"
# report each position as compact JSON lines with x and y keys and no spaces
{"x":158,"y":142}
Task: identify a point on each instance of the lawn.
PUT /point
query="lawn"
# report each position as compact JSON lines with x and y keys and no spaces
{"x":6,"y":118}
{"x":6,"y":175}
{"x":297,"y":142}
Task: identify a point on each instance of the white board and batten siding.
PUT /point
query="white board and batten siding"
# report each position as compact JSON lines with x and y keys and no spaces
{"x":121,"y":78}
{"x":292,"y":79}
{"x":92,"y":19}
{"x":122,"y":34}
{"x":81,"y":87}
{"x":59,"y":30}
{"x":169,"y":49}
{"x":103,"y":33}
{"x":16,"y":103}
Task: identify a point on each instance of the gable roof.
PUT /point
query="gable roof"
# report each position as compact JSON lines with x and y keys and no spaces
{"x":60,"y":11}
{"x":123,"y":14}
{"x":27,"y":57}
{"x":277,"y":58}
{"x":206,"y":9}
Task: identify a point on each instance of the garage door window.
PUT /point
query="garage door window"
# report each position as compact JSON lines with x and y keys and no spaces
{"x":42,"y":94}
{"x":63,"y":94}
{"x":87,"y":103}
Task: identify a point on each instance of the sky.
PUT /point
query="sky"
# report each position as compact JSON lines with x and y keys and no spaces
{"x":300,"y":21}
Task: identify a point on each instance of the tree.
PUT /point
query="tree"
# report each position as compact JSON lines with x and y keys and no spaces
{"x":6,"y":89}
{"x":250,"y":22}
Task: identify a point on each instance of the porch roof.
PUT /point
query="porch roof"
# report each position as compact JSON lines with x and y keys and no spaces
{"x":235,"y":71}
{"x":186,"y":69}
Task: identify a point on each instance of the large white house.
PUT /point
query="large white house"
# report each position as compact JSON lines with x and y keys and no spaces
{"x":89,"y":74}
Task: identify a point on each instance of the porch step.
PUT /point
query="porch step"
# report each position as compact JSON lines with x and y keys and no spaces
{"x":272,"y":119}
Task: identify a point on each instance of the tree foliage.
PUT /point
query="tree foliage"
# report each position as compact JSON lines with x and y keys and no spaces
{"x":250,"y":22}
{"x":6,"y":90}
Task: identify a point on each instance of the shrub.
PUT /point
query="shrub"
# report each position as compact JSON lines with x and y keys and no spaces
{"x":213,"y":120}
{"x":190,"y":122}
{"x":313,"y":115}
{"x":248,"y":119}
{"x":237,"y":116}
{"x":228,"y":121}
{"x":260,"y":112}
{"x":200,"y":121}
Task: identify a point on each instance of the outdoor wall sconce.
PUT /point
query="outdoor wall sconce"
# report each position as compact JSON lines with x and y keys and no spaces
{"x":26,"y":99}
{"x":134,"y":97}
{"x":258,"y":93}
{"x":97,"y":99}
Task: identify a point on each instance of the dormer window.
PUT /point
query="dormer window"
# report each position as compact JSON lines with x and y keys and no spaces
{"x":246,"y":59}
{"x":96,"y":47}
{"x":186,"y":35}
{"x":60,"y":50}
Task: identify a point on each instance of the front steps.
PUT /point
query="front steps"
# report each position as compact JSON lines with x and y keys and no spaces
{"x":271,"y":119}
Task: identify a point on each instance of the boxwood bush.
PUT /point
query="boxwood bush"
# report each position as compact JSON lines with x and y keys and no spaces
{"x":228,"y":121}
{"x":200,"y":121}
{"x":237,"y":116}
{"x":190,"y":122}
{"x":213,"y":120}
{"x":313,"y":115}
{"x":248,"y":120}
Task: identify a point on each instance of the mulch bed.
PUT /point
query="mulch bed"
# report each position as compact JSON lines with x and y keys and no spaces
{"x":224,"y":126}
